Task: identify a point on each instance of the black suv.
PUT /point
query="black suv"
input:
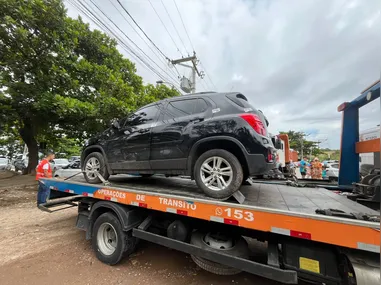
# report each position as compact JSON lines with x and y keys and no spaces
{"x":218,"y":139}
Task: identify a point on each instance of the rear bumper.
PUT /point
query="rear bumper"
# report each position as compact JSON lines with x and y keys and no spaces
{"x":258,"y":165}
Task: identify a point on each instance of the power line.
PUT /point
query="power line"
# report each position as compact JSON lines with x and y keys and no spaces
{"x":99,"y":23}
{"x":95,"y":18}
{"x":104,"y":14}
{"x":190,"y":41}
{"x":207,"y":74}
{"x":132,"y":27}
{"x":174,"y":1}
{"x":203,"y":83}
{"x":165,"y":27}
{"x":125,"y":46}
{"x":169,"y":16}
{"x":132,"y":18}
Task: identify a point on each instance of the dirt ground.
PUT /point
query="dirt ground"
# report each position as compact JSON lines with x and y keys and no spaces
{"x":42,"y":248}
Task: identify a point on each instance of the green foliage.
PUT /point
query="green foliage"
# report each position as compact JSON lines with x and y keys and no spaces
{"x":328,"y":154}
{"x":59,"y":77}
{"x":68,"y":146}
{"x":152,"y":94}
{"x":10,"y":141}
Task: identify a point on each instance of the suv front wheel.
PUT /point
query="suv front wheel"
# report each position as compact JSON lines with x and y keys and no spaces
{"x":94,"y":163}
{"x":218,"y":173}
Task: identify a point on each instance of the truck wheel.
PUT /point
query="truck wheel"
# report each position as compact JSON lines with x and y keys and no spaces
{"x":95,"y":162}
{"x":109,"y":241}
{"x":219,"y":243}
{"x":218,"y":173}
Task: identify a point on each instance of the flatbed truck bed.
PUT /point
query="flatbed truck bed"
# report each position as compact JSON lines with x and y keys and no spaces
{"x":307,"y":237}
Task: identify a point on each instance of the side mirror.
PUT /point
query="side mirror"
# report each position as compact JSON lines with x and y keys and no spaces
{"x":115,"y":124}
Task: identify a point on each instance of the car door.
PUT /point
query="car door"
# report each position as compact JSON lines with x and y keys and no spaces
{"x":168,"y":150}
{"x":131,"y":148}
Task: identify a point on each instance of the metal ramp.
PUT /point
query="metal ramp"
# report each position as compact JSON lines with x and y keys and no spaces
{"x":59,"y":204}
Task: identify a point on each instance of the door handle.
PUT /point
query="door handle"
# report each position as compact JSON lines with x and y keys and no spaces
{"x":142,"y":131}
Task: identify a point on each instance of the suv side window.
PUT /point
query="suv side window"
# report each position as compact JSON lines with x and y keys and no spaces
{"x":182,"y":108}
{"x":201,"y":106}
{"x":143,"y":116}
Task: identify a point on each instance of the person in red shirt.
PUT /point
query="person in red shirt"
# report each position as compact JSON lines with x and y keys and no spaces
{"x":44,"y":170}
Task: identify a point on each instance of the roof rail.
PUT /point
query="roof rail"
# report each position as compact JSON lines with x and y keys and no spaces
{"x":205,"y":92}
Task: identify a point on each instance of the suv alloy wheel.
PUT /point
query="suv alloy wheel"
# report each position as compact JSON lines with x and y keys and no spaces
{"x":218,"y":173}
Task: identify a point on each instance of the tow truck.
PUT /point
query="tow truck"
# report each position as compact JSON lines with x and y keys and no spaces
{"x":312,"y":234}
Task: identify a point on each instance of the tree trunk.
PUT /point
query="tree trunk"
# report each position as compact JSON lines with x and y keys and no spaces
{"x":28,"y":134}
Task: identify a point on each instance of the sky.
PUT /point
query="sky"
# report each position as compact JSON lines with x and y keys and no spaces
{"x":297,"y":61}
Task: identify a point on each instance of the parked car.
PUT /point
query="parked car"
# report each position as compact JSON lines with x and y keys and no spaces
{"x":332,"y":170}
{"x":69,"y":170}
{"x":218,"y":139}
{"x":4,"y":164}
{"x":20,"y":162}
{"x":58,"y":163}
{"x":74,"y":158}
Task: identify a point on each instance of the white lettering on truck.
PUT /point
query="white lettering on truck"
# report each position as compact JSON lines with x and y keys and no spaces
{"x":177,"y":203}
{"x":112,"y":193}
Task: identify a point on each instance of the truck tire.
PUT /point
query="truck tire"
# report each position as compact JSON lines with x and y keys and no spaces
{"x":109,"y":241}
{"x":221,"y":168}
{"x":95,"y":161}
{"x":239,"y":249}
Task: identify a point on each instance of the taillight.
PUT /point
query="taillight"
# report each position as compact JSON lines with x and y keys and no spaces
{"x":255,"y":122}
{"x":270,"y":157}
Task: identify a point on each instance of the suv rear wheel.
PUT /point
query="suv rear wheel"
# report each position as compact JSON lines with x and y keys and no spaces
{"x":95,"y":162}
{"x":218,"y":173}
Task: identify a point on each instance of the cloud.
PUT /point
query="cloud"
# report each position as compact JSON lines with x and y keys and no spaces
{"x":238,"y":77}
{"x":295,"y":60}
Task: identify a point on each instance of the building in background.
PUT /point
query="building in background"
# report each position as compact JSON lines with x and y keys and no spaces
{"x":372,"y":158}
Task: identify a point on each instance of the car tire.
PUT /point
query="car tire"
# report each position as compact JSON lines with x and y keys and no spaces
{"x":227,"y":160}
{"x":240,"y":249}
{"x":95,"y":157}
{"x":109,"y":241}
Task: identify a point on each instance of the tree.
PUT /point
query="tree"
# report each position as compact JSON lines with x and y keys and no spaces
{"x":59,"y":77}
{"x":297,"y":142}
{"x":10,"y":141}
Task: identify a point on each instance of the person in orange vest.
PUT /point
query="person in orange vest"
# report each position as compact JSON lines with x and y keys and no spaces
{"x":44,"y":170}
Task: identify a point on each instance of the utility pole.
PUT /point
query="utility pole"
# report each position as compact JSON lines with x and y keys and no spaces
{"x":193,"y":60}
{"x":302,"y":143}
